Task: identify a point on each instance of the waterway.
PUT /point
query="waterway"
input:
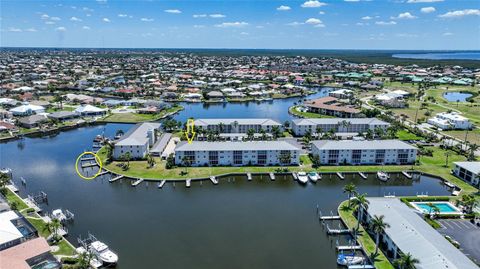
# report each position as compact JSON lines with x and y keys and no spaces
{"x":457,"y":96}
{"x":440,"y":56}
{"x":236,"y":224}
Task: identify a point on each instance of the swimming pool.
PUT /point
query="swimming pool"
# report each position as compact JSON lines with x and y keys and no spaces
{"x":444,"y":207}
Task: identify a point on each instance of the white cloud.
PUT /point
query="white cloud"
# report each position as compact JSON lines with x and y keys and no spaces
{"x":31,"y":30}
{"x":122,"y":15}
{"x":13,"y":29}
{"x":405,"y":15}
{"x":44,"y":17}
{"x":385,"y":23}
{"x":295,"y":23}
{"x":423,"y":1}
{"x":427,"y":9}
{"x":406,"y":35}
{"x":447,"y":34}
{"x":50,"y":22}
{"x":61,"y":29}
{"x":198,"y":26}
{"x":367,"y":18}
{"x":106,"y":19}
{"x":461,"y":13}
{"x":232,"y":24}
{"x":244,"y":33}
{"x":55,"y":19}
{"x":313,"y":3}
{"x":86,"y":28}
{"x":75,"y":19}
{"x":362,"y":23}
{"x":313,"y":21}
{"x":321,"y":12}
{"x":200,"y":15}
{"x":216,"y":16}
{"x":102,"y":1}
{"x":147,"y":19}
{"x":173,"y":11}
{"x":283,"y":8}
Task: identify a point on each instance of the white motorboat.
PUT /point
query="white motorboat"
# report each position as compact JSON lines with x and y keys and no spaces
{"x":94,"y":263}
{"x":302,"y":177}
{"x":349,"y":259}
{"x":448,"y":184}
{"x":58,"y":214}
{"x":103,"y":253}
{"x":313,"y":176}
{"x":383,"y":176}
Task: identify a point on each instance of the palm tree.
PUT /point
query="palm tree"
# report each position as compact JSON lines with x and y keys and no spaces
{"x":351,"y":189}
{"x":378,"y":225}
{"x":276,"y":132}
{"x":250,"y":134}
{"x":53,"y":226}
{"x":472,"y":148}
{"x":447,"y":154}
{"x":432,"y":208}
{"x":360,"y":201}
{"x":186,"y":162}
{"x":469,"y":201}
{"x":84,"y":260}
{"x":406,"y":261}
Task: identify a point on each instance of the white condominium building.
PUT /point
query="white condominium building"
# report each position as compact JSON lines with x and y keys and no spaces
{"x":237,"y":153}
{"x":340,"y":125}
{"x":452,"y":120}
{"x":469,"y":172}
{"x":237,"y":125}
{"x":137,"y":141}
{"x":363,"y":152}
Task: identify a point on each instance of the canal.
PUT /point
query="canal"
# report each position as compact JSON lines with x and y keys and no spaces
{"x":236,"y":224}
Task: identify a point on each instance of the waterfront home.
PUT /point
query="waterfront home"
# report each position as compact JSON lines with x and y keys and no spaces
{"x":34,"y":253}
{"x":409,"y":233}
{"x":364,"y":152}
{"x":25,"y":110}
{"x":63,"y":115}
{"x":390,"y":99}
{"x":14,"y":229}
{"x":452,"y":120}
{"x":351,"y":126}
{"x":32,"y":121}
{"x":137,"y":141}
{"x":236,"y":125}
{"x":341,"y":93}
{"x":261,"y":153}
{"x":7,"y":127}
{"x":330,"y":106}
{"x":468,"y":171}
{"x":89,"y":110}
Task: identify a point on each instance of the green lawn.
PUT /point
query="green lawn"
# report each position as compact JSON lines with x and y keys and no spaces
{"x":11,"y":197}
{"x":472,"y":136}
{"x":368,"y":244}
{"x":406,"y":135}
{"x":136,"y":117}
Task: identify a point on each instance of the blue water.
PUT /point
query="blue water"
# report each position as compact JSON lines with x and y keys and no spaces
{"x":443,"y":207}
{"x":440,"y":56}
{"x":456,"y":96}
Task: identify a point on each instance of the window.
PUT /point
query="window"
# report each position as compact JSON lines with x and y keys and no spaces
{"x":237,"y":157}
{"x":333,"y":156}
{"x":189,"y":156}
{"x":402,"y":156}
{"x":262,"y":157}
{"x":213,"y":157}
{"x":356,"y":156}
{"x":380,"y":156}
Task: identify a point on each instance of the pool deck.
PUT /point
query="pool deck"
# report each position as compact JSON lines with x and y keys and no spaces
{"x":456,"y":211}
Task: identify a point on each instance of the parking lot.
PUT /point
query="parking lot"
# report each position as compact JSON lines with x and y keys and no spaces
{"x":466,"y":233}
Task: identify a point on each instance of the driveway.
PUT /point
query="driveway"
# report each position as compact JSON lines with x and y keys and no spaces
{"x":466,"y":233}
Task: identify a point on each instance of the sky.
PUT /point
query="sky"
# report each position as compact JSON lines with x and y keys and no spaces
{"x":260,"y":24}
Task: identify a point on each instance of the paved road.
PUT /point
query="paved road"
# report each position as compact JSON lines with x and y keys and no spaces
{"x":466,"y":233}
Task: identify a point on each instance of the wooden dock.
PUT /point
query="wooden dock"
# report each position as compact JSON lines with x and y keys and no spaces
{"x":88,"y":159}
{"x":160,"y":185}
{"x":272,"y":176}
{"x":115,"y":179}
{"x":138,"y":181}
{"x":407,"y":175}
{"x":89,"y":165}
{"x":360,"y":266}
{"x":340,"y":175}
{"x":12,"y":187}
{"x":340,"y":248}
{"x":103,"y":173}
{"x":329,"y":217}
{"x":188,"y":183}
{"x":249,"y":176}
{"x":214,"y":180}
{"x":338,"y":231}
{"x":362,"y":175}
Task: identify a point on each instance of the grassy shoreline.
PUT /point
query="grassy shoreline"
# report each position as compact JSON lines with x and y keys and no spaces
{"x":131,"y":117}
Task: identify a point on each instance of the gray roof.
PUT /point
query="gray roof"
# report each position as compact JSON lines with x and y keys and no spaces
{"x":62,"y":114}
{"x":413,"y":235}
{"x":137,"y":135}
{"x":338,"y":120}
{"x":229,"y":146}
{"x":162,"y":142}
{"x":255,"y":121}
{"x":361,"y":144}
{"x":473,"y":167}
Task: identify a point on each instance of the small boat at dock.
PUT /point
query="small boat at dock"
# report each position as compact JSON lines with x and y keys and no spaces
{"x":99,"y":249}
{"x":160,"y":185}
{"x":302,"y":177}
{"x":349,"y":259}
{"x":448,"y":184}
{"x":313,"y":176}
{"x":362,"y":175}
{"x":340,"y":175}
{"x":407,"y":175}
{"x":383,"y":176}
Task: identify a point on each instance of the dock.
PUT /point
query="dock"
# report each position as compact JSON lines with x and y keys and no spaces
{"x":340,"y":175}
{"x":407,"y":175}
{"x":294,"y":175}
{"x":12,"y":187}
{"x":338,"y":231}
{"x":362,"y":175}
{"x":103,"y":173}
{"x":272,"y":176}
{"x":188,"y":183}
{"x":329,"y":217}
{"x":138,"y":181}
{"x":360,"y":266}
{"x":214,"y":180}
{"x":89,"y":165}
{"x":115,"y":179}
{"x":160,"y":185}
{"x":88,"y":159}
{"x":249,"y":176}
{"x":341,"y":248}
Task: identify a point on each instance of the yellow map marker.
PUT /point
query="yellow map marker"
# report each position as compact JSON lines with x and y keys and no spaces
{"x":190,"y":133}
